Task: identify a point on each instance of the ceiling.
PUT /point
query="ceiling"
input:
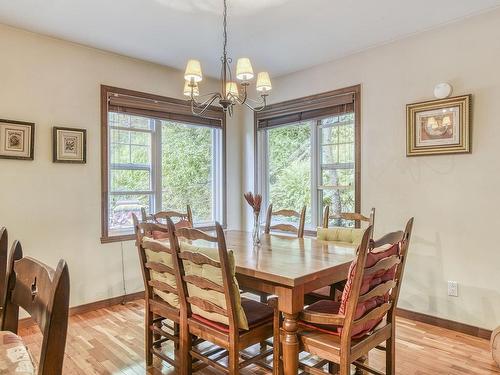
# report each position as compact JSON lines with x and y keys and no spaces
{"x":281,"y":36}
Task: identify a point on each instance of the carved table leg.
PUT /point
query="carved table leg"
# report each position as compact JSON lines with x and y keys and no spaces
{"x":290,"y":345}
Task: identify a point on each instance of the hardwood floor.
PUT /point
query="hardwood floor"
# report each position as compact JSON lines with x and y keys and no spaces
{"x":110,"y":341}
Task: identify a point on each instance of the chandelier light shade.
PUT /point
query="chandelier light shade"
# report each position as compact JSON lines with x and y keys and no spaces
{"x":193,"y":71}
{"x":232,"y":92}
{"x":244,"y":70}
{"x":263,"y":82}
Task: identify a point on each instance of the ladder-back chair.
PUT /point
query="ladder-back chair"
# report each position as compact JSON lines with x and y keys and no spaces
{"x":212,"y":307}
{"x":161,"y":294}
{"x":285,"y":227}
{"x":44,"y":294}
{"x":343,"y":333}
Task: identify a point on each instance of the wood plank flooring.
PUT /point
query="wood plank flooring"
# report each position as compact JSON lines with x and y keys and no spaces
{"x":110,"y":341}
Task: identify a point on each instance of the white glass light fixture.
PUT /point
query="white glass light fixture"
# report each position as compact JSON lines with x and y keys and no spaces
{"x":233,"y":91}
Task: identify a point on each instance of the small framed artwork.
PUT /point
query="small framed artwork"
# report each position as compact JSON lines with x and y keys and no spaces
{"x":69,"y":145}
{"x":439,"y":126}
{"x":17,"y":140}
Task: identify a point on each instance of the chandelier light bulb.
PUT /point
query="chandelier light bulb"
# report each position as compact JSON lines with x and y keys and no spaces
{"x":244,"y":70}
{"x":188,"y":87}
{"x":231,"y":89}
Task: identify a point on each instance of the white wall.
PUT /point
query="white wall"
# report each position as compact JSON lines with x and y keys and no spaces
{"x":54,"y":209}
{"x":454,"y":199}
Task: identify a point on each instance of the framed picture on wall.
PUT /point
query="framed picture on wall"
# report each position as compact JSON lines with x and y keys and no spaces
{"x":69,"y":145}
{"x":17,"y":140}
{"x":439,"y":126}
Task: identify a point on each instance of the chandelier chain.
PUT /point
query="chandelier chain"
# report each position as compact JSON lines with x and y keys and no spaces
{"x":225,"y":29}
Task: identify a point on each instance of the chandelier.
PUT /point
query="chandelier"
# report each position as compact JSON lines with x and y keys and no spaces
{"x":232,"y":92}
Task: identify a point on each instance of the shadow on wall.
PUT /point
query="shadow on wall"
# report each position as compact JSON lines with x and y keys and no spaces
{"x":425,"y":289}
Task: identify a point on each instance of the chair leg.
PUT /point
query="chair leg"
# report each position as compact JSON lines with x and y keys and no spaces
{"x":234,"y":361}
{"x":148,"y":320}
{"x":185,"y":360}
{"x":390,"y":355}
{"x":344,"y":368}
{"x":333,"y":368}
{"x":276,"y":344}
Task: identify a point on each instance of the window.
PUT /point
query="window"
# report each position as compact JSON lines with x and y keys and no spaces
{"x":308,"y":154}
{"x":158,"y":157}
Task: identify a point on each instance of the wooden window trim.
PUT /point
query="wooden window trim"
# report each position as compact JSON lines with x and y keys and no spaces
{"x":160,"y":107}
{"x":308,"y":108}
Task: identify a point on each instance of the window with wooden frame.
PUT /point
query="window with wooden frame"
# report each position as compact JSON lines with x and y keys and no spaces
{"x":157,"y":155}
{"x":308,"y":152}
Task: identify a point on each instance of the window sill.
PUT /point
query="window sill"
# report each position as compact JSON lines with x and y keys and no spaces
{"x":122,"y":238}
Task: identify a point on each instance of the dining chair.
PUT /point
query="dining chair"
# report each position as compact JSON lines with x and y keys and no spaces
{"x":285,"y":227}
{"x":161,"y":294}
{"x":212,"y":307}
{"x":44,"y":294}
{"x":342,"y":333}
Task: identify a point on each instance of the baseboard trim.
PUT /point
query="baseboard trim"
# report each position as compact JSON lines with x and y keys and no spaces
{"x":444,"y":323}
{"x":403,"y":313}
{"x":81,"y":309}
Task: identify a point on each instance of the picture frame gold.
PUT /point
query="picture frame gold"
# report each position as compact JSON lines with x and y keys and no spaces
{"x":439,"y":127}
{"x":17,"y":140}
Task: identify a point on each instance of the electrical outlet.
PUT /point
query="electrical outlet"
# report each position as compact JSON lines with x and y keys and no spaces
{"x":453,"y":288}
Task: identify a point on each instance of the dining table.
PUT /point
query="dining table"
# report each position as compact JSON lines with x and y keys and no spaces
{"x":288,"y":267}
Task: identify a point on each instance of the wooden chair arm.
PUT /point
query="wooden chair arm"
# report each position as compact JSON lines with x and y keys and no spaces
{"x":322,"y":318}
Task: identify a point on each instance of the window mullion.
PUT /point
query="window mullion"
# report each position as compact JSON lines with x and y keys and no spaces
{"x":156,"y":160}
{"x":315,"y":173}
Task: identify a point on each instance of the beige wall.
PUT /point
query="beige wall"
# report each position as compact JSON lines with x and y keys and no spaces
{"x":455,"y":199}
{"x":54,"y":209}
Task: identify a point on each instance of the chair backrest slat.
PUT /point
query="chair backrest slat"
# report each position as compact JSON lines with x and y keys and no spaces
{"x":199,"y":259}
{"x":286,"y":227}
{"x":194,"y":234}
{"x":348,"y":216}
{"x":183,"y":217}
{"x":162,"y":287}
{"x":159,"y":267}
{"x":383,"y":265}
{"x":203,"y":283}
{"x":379,"y":291}
{"x":374,"y":315}
{"x":207,"y":306}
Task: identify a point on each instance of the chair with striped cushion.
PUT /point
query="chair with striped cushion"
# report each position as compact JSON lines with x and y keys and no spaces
{"x":342,"y":333}
{"x":211,"y":305}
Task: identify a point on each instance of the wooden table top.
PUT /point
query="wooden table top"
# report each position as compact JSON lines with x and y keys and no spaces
{"x":288,"y":260}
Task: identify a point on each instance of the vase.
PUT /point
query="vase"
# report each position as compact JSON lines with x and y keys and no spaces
{"x":256,"y":229}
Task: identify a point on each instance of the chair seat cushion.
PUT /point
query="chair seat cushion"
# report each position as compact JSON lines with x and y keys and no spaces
{"x":344,"y":235}
{"x":15,"y":357}
{"x":257,"y":313}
